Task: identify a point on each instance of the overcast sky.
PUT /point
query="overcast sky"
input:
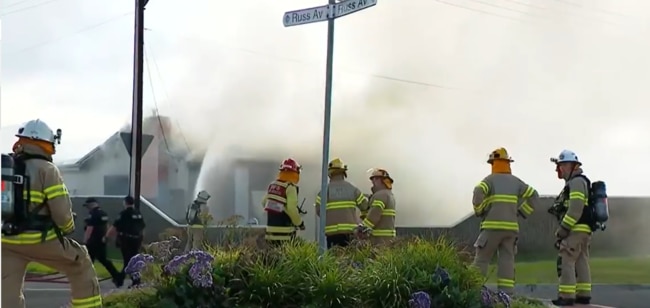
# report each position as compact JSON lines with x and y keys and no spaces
{"x":525,"y":69}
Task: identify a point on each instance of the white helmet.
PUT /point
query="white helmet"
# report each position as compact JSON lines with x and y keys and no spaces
{"x":566,"y":156}
{"x":203,"y":196}
{"x":38,"y":130}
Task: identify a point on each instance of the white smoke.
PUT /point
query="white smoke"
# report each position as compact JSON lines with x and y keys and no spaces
{"x":423,"y":88}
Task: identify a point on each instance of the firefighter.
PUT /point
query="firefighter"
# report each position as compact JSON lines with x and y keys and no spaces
{"x":343,"y":201}
{"x":129,"y":228}
{"x":381,"y":215}
{"x":574,"y":233}
{"x":281,"y":204}
{"x":198,"y":216}
{"x":39,"y":237}
{"x":498,"y":199}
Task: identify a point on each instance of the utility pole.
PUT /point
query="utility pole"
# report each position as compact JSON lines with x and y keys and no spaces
{"x":316,"y":14}
{"x":135,"y":178}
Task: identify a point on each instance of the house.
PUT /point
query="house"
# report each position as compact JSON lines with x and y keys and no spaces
{"x":168,"y":179}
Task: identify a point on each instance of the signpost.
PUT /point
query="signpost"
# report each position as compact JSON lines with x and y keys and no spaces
{"x":305,"y":16}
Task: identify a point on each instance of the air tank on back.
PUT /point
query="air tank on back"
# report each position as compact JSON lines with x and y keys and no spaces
{"x":7,"y":187}
{"x":601,"y":208}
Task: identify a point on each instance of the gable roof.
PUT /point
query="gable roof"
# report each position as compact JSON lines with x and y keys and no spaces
{"x":78,"y":163}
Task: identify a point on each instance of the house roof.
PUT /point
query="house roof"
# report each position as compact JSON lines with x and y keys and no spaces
{"x":79,"y":162}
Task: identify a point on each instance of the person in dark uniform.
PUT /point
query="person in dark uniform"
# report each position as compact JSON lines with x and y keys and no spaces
{"x":129,"y":227}
{"x":94,"y":237}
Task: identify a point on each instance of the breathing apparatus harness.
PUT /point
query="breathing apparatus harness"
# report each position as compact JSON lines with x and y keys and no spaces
{"x":23,"y":219}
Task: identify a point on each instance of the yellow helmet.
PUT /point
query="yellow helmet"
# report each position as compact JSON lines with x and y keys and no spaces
{"x":380,"y":173}
{"x":499,"y":154}
{"x":337,"y":164}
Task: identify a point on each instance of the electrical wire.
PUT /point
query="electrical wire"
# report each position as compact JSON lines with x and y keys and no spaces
{"x":164,"y":89}
{"x":33,"y":6}
{"x":155,"y":102}
{"x":63,"y":37}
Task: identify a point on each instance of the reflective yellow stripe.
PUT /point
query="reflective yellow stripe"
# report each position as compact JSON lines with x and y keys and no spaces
{"x":197,"y":226}
{"x":496,"y":198}
{"x":317,"y":200}
{"x":55,"y":191}
{"x":68,"y":227}
{"x":361,"y":198}
{"x":583,"y":286}
{"x":526,"y":208}
{"x":581,"y":228}
{"x":500,"y":225}
{"x":341,"y":205}
{"x":277,"y":198}
{"x":384,"y":232}
{"x":484,"y":187}
{"x":274,"y":229}
{"x":34,"y":196}
{"x":576,"y":195}
{"x":339,"y":228}
{"x":567,"y":289}
{"x":28,"y":238}
{"x":508,"y":283}
{"x":528,"y":193}
{"x":388,"y":212}
{"x":368,"y":223}
{"x":379,"y":204}
{"x":89,"y":302}
{"x":569,"y":221}
{"x":364,"y":214}
{"x":277,"y":237}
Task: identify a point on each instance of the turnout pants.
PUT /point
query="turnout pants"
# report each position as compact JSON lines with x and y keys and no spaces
{"x":194,"y":238}
{"x":342,"y":240}
{"x":504,"y":243}
{"x":575,"y":278}
{"x":71,"y":259}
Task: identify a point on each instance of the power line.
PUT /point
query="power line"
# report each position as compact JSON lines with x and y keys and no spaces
{"x":155,"y":103}
{"x":27,"y":7}
{"x":164,"y":88}
{"x":62,"y":37}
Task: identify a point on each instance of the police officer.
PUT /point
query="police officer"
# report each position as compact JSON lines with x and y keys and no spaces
{"x":95,"y":238}
{"x":574,"y":232}
{"x":129,"y":227}
{"x":281,"y":204}
{"x":382,"y":213}
{"x":498,"y":199}
{"x":40,"y":238}
{"x":343,"y":200}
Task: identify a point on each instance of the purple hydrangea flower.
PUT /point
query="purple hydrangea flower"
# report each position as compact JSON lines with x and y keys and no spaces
{"x":138,"y":263}
{"x":486,"y":296}
{"x":441,"y":276}
{"x":200,"y":270}
{"x":504,"y":298}
{"x":420,"y":300}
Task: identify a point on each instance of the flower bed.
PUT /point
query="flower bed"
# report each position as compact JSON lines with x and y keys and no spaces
{"x":408,"y":273}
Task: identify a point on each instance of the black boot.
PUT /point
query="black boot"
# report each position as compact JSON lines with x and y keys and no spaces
{"x":563,"y":302}
{"x":583,"y":300}
{"x":118,"y":281}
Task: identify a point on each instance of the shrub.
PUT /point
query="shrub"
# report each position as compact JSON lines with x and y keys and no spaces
{"x":407,"y":273}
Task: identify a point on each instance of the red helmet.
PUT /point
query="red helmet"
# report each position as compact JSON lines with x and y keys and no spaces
{"x":290,"y":164}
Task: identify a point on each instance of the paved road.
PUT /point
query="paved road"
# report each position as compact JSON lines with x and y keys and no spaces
{"x":50,"y":295}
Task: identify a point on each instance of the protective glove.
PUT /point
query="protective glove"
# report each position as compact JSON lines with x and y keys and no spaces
{"x":302,"y":226}
{"x":562,"y":233}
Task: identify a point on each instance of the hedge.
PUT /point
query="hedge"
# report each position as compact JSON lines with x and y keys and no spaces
{"x":407,"y":273}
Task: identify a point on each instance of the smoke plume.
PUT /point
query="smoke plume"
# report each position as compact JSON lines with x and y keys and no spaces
{"x":423,"y":88}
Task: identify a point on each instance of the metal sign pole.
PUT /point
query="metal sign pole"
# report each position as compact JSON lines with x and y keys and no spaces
{"x":300,"y":17}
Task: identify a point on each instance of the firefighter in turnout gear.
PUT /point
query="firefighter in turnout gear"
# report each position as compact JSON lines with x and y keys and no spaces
{"x":42,"y":215}
{"x":343,"y":200}
{"x":198,"y":216}
{"x":499,"y":199}
{"x":281,"y":204}
{"x":382,"y":214}
{"x":574,"y":232}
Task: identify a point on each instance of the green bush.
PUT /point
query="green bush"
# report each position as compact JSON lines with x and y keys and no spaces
{"x":407,"y":273}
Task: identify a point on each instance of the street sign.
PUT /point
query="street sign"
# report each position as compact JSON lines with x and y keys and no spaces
{"x":306,"y":16}
{"x":350,"y":6}
{"x":146,"y":142}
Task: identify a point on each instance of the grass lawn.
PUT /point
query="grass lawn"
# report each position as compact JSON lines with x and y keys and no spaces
{"x":603,"y":270}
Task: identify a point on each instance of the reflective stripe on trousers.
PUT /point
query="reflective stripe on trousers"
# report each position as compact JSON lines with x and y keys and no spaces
{"x":499,"y":225}
{"x":89,"y":302}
